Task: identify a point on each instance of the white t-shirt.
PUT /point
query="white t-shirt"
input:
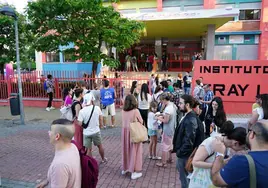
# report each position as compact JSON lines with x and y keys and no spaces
{"x":94,"y":124}
{"x":143,"y":104}
{"x":88,"y":98}
{"x":259,"y":111}
{"x":151,"y":120}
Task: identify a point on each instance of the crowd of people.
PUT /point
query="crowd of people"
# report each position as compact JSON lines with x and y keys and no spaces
{"x":210,"y":150}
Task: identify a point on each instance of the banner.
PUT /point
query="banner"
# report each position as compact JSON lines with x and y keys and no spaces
{"x":236,"y":82}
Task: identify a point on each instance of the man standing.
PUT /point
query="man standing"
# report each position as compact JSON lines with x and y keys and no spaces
{"x":236,"y":173}
{"x":108,"y":96}
{"x":185,"y":136}
{"x":187,"y":83}
{"x":65,"y":169}
{"x":49,"y":85}
{"x":92,"y":115}
{"x":209,"y":95}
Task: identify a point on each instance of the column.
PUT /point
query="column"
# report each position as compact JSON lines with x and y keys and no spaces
{"x":209,"y":4}
{"x":158,"y":51}
{"x":263,"y":44}
{"x":159,"y":5}
{"x":210,"y":42}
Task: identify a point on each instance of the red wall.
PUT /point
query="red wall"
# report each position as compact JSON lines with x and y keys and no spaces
{"x":235,"y":101}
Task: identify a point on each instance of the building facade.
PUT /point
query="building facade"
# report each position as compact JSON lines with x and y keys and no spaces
{"x":218,"y":29}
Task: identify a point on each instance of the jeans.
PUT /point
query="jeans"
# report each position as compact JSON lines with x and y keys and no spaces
{"x":50,"y":99}
{"x":187,"y":90}
{"x":180,"y":165}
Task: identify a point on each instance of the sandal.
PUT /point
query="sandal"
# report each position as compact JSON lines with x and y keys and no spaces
{"x":161,"y":165}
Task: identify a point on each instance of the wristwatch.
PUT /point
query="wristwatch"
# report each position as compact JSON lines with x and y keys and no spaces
{"x":219,"y":154}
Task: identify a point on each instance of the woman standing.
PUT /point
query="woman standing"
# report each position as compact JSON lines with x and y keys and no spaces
{"x":131,"y":152}
{"x":67,"y":96}
{"x":215,"y":116}
{"x":76,"y":107}
{"x":144,"y":100}
{"x":133,"y":89}
{"x":155,"y":66}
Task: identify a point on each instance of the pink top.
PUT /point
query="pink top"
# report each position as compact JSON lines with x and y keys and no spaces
{"x":68,"y":101}
{"x":65,"y":169}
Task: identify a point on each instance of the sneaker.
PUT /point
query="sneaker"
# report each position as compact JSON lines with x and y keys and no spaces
{"x":52,"y":108}
{"x":135,"y":175}
{"x":48,"y":109}
{"x":124,"y":172}
{"x":105,"y":160}
{"x":150,"y":157}
{"x":156,"y":158}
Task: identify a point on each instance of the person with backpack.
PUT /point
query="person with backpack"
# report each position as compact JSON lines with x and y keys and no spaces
{"x":65,"y":169}
{"x":244,"y":171}
{"x":90,"y":118}
{"x":185,"y":136}
{"x":234,"y":138}
{"x":49,"y":88}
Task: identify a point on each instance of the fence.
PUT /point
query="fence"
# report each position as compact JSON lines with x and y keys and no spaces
{"x":33,"y":91}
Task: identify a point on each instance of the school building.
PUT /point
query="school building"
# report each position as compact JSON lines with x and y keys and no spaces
{"x":218,"y":29}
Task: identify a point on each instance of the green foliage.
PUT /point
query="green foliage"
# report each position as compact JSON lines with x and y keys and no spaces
{"x":7,"y":40}
{"x":86,"y":23}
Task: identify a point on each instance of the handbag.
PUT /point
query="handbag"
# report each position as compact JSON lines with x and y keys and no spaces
{"x":138,"y":133}
{"x":86,"y":125}
{"x":189,"y":164}
{"x":66,"y":113}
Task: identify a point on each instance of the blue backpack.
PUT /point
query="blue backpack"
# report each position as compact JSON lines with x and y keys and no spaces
{"x":45,"y":85}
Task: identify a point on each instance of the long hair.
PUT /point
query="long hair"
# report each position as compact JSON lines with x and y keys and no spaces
{"x":130,"y":103}
{"x":157,"y":89}
{"x":65,"y":93}
{"x":144,"y":91}
{"x":220,"y":117}
{"x":264,"y":104}
{"x":133,"y":86}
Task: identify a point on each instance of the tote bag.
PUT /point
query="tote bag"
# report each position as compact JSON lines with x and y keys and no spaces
{"x":138,"y":133}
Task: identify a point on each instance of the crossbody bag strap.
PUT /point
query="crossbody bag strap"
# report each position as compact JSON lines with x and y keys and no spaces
{"x":90,"y":115}
{"x":252,"y":172}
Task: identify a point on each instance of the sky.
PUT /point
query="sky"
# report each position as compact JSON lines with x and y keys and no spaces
{"x":19,"y":4}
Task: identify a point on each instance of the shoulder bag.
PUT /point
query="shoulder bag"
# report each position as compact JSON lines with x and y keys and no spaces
{"x":138,"y":132}
{"x":86,"y":125}
{"x":252,"y":172}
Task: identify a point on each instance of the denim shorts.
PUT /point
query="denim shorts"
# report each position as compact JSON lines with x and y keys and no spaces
{"x":152,"y":132}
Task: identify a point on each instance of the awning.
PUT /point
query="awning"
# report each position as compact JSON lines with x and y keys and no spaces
{"x":183,"y":24}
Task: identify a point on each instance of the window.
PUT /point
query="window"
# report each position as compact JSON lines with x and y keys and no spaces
{"x":251,"y":14}
{"x":52,"y":57}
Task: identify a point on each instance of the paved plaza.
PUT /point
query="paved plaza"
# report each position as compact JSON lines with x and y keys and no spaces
{"x":25,"y":154}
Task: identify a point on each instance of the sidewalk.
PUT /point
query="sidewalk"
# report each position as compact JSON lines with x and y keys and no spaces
{"x":25,"y":153}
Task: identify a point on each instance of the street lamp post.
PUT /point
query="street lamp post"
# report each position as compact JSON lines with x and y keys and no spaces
{"x":10,"y":12}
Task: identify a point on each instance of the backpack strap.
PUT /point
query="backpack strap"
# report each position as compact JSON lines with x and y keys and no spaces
{"x":252,"y":172}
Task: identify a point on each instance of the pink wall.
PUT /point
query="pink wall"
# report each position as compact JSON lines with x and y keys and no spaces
{"x":209,"y":4}
{"x":263,"y":45}
{"x":159,"y":5}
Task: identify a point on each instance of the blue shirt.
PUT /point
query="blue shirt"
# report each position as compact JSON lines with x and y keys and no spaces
{"x":208,"y":97}
{"x":107,"y":96}
{"x":236,"y":172}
